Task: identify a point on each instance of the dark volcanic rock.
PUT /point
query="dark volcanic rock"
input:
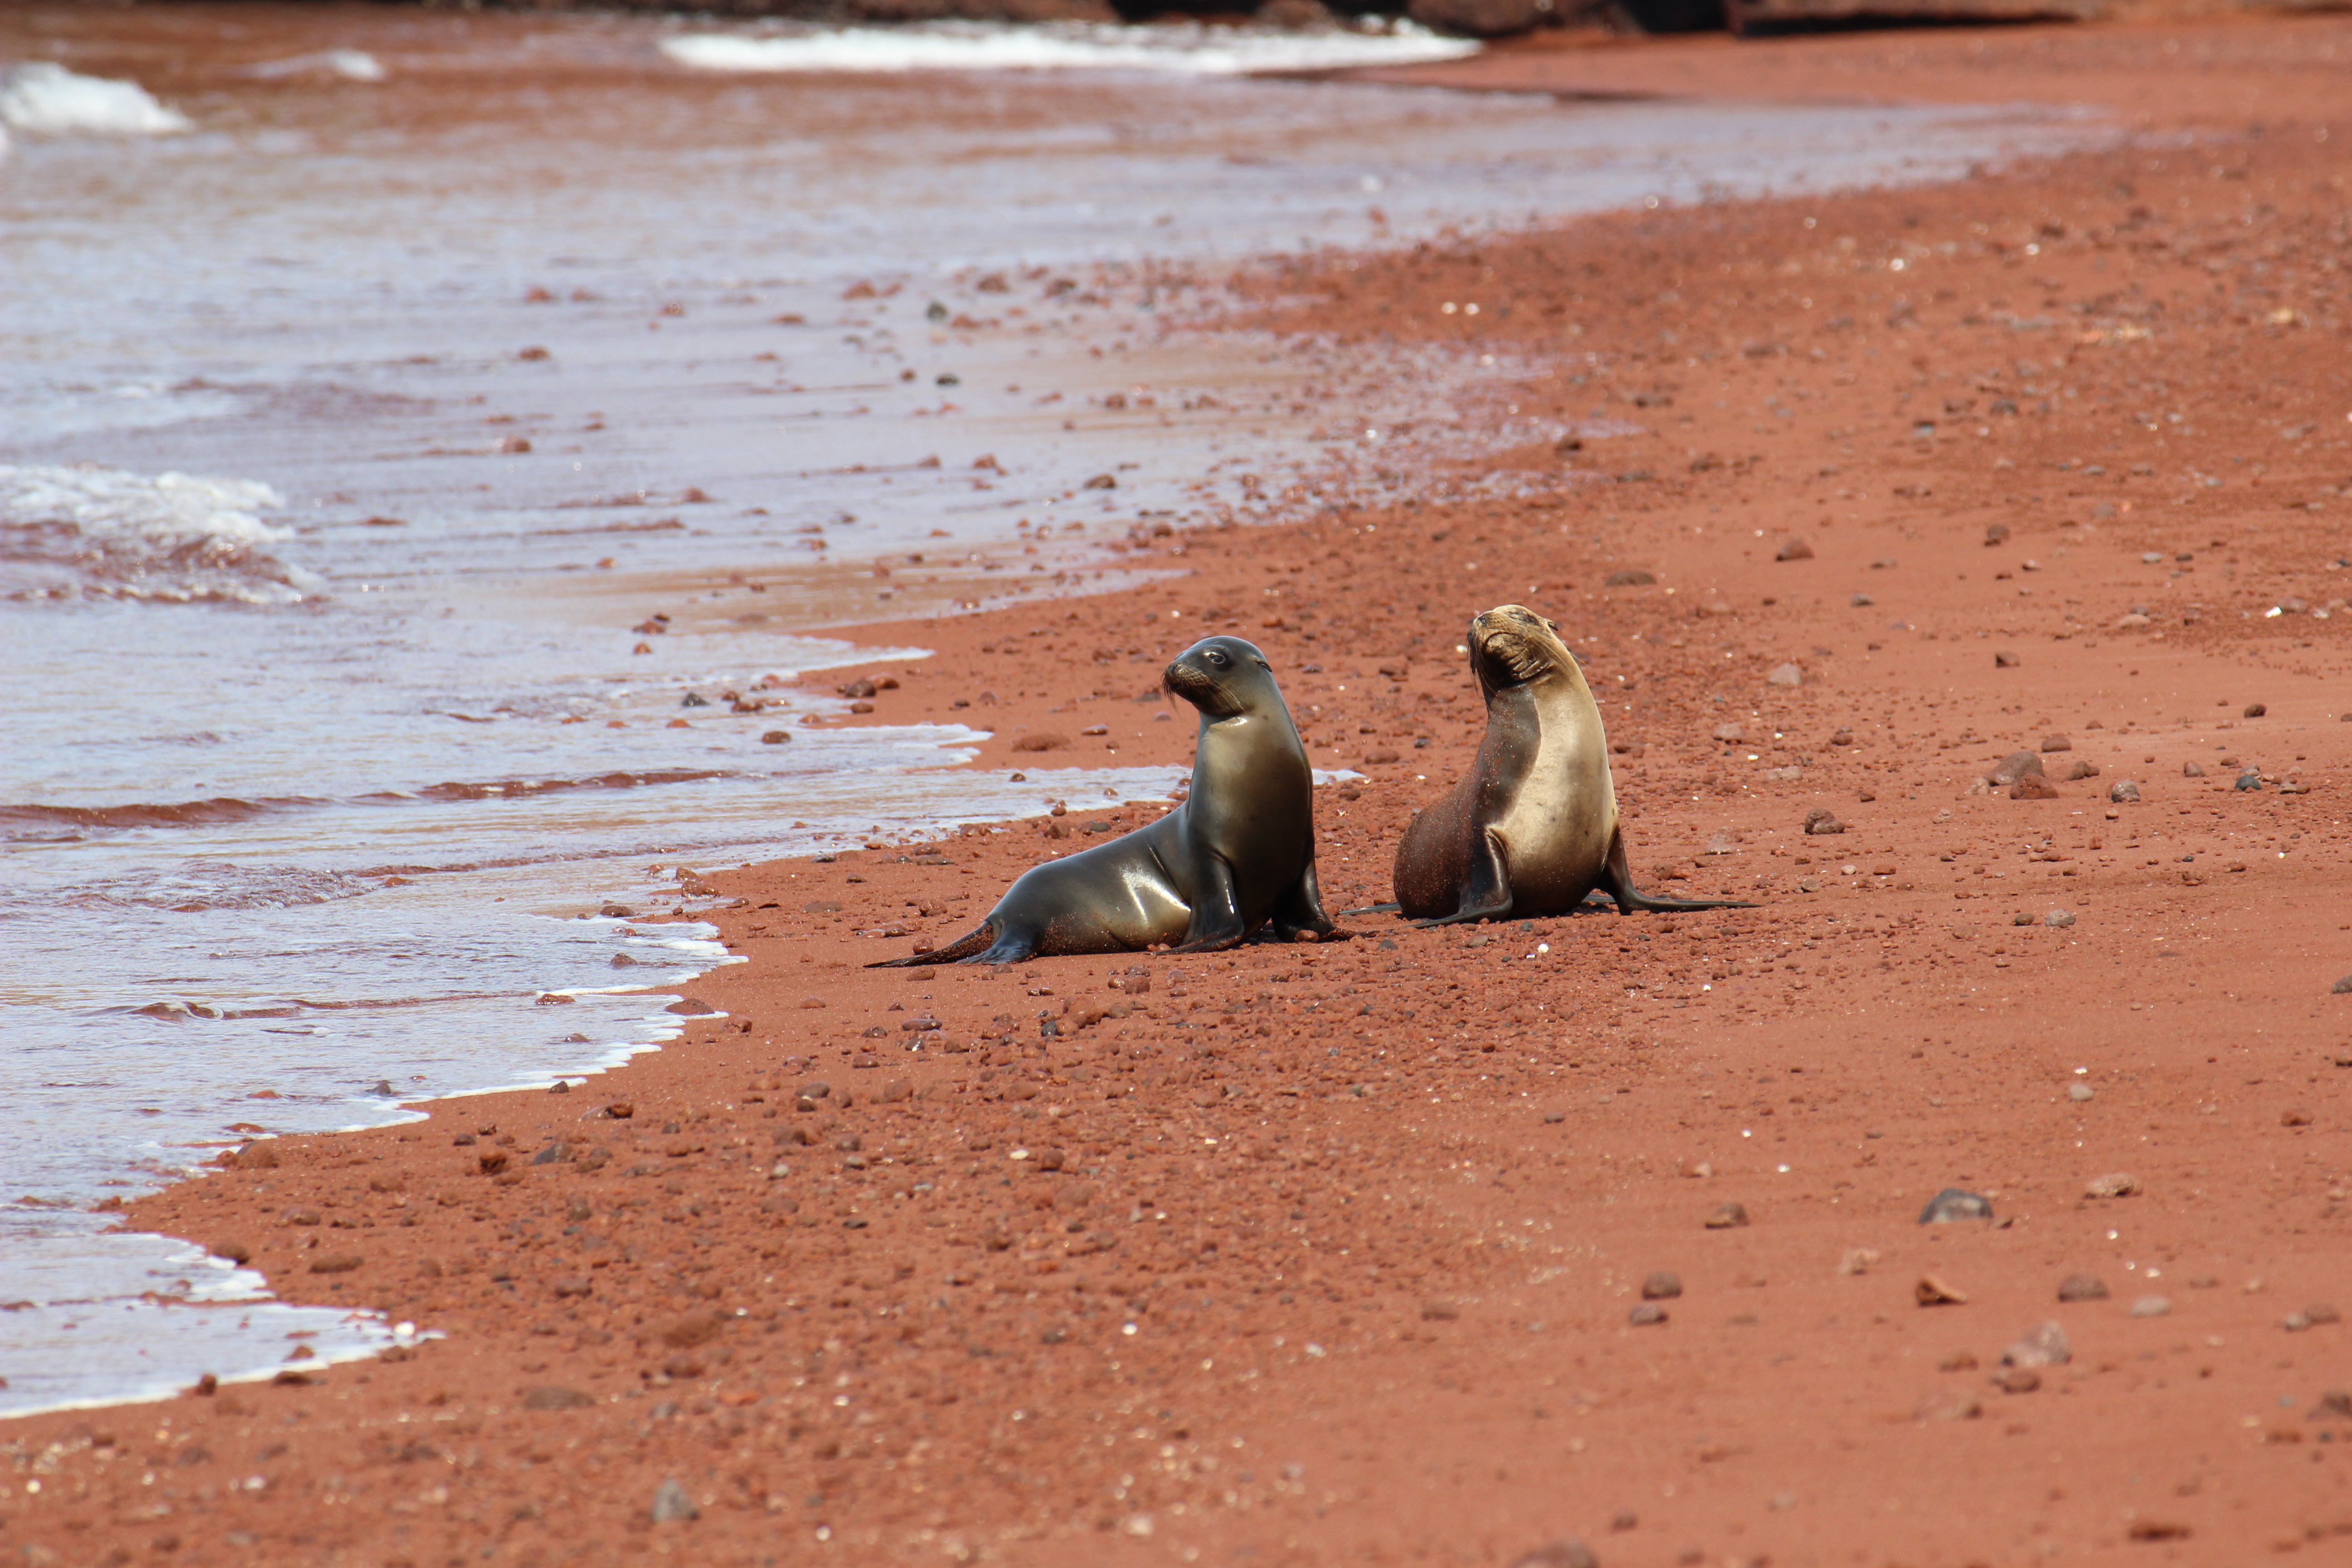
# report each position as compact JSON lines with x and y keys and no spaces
{"x":1477,"y":19}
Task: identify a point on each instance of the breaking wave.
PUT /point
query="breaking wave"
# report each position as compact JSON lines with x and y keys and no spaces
{"x":350,"y":64}
{"x":104,"y":533}
{"x":44,"y":99}
{"x":1183,"y":50}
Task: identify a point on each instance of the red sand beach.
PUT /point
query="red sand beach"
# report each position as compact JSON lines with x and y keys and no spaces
{"x":1333,"y":1253}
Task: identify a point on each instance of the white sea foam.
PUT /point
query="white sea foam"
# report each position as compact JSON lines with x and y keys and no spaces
{"x":352,"y":65}
{"x":1184,"y":50}
{"x":47,"y":99}
{"x":168,"y":536}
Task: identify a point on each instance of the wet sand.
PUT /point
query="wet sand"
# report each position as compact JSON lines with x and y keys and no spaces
{"x":1330,"y":1253}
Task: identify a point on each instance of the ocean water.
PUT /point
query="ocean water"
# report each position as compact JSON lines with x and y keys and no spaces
{"x":356,"y":435}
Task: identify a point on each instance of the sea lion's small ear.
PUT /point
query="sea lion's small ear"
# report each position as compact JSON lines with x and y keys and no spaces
{"x":1553,"y":624}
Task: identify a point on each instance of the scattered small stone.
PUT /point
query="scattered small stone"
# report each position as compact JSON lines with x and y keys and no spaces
{"x":550,"y":1398}
{"x":1948,"y":1407}
{"x":1821,"y":821}
{"x":235,"y":1251}
{"x":2045,"y":1345}
{"x":2081,"y":768}
{"x":671,"y":1503}
{"x":1730,"y":1216}
{"x":1663,"y":1286}
{"x":2192,"y":770}
{"x":1863,"y":601}
{"x":2255,"y":709}
{"x":2016,"y":1380}
{"x":2004,"y":661}
{"x":2296,"y":1323}
{"x":1931,"y":1291}
{"x":1996,"y":533}
{"x":1565,"y":1553}
{"x":1696,"y":1170}
{"x":1794,"y":550}
{"x":1730,"y":735}
{"x":1646,"y":1315}
{"x":2059,"y":920}
{"x":1785,"y":675}
{"x":2341,"y":987}
{"x":2123,"y":792}
{"x":1633,"y":577}
{"x":1955,"y":1204}
{"x":2159,"y":1529}
{"x":2334,"y":1404}
{"x":335,"y":1263}
{"x":2057,"y":743}
{"x":1959,"y":1361}
{"x":2115,"y":1185}
{"x":2251,"y":779}
{"x":2151,"y":1307}
{"x":2080,"y":1093}
{"x":2014,"y":767}
{"x":2323,"y":1312}
{"x":1439,"y":1311}
{"x":1858,"y":1260}
{"x":1624,"y":1521}
{"x":2034,"y":786}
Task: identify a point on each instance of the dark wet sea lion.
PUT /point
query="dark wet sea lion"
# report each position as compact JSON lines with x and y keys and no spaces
{"x":1237,"y":854}
{"x":1533,"y":828}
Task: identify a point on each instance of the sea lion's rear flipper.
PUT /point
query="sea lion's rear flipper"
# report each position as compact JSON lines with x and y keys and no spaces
{"x":1217,"y":921}
{"x":1618,"y":880}
{"x":1486,"y":885}
{"x":1300,"y":910}
{"x":963,"y":949}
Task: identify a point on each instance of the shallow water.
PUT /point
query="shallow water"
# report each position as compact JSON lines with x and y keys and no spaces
{"x":353,"y":435}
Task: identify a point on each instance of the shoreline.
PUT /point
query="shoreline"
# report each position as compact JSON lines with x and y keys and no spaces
{"x":939,"y":1285}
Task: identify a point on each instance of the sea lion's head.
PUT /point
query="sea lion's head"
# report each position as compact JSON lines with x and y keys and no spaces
{"x":1510,"y":646}
{"x":1222,"y":677}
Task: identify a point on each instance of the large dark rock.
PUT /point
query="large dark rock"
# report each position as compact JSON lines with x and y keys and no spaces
{"x":1480,"y":18}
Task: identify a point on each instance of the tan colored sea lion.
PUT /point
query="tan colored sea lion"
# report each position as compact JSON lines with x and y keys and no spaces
{"x":1533,"y":828}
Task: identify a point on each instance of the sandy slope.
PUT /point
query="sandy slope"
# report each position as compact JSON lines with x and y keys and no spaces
{"x":1327,"y":1254}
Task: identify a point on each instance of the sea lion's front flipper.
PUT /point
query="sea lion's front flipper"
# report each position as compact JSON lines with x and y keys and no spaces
{"x":1216,"y":915}
{"x":1486,"y":885}
{"x":1300,"y":910}
{"x":1618,"y":879}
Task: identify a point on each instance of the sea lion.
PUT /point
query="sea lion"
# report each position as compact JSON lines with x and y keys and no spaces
{"x":1534,"y":827}
{"x":1238,"y":853}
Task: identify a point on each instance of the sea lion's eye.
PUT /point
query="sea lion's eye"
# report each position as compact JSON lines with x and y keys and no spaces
{"x":1217,"y":657}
